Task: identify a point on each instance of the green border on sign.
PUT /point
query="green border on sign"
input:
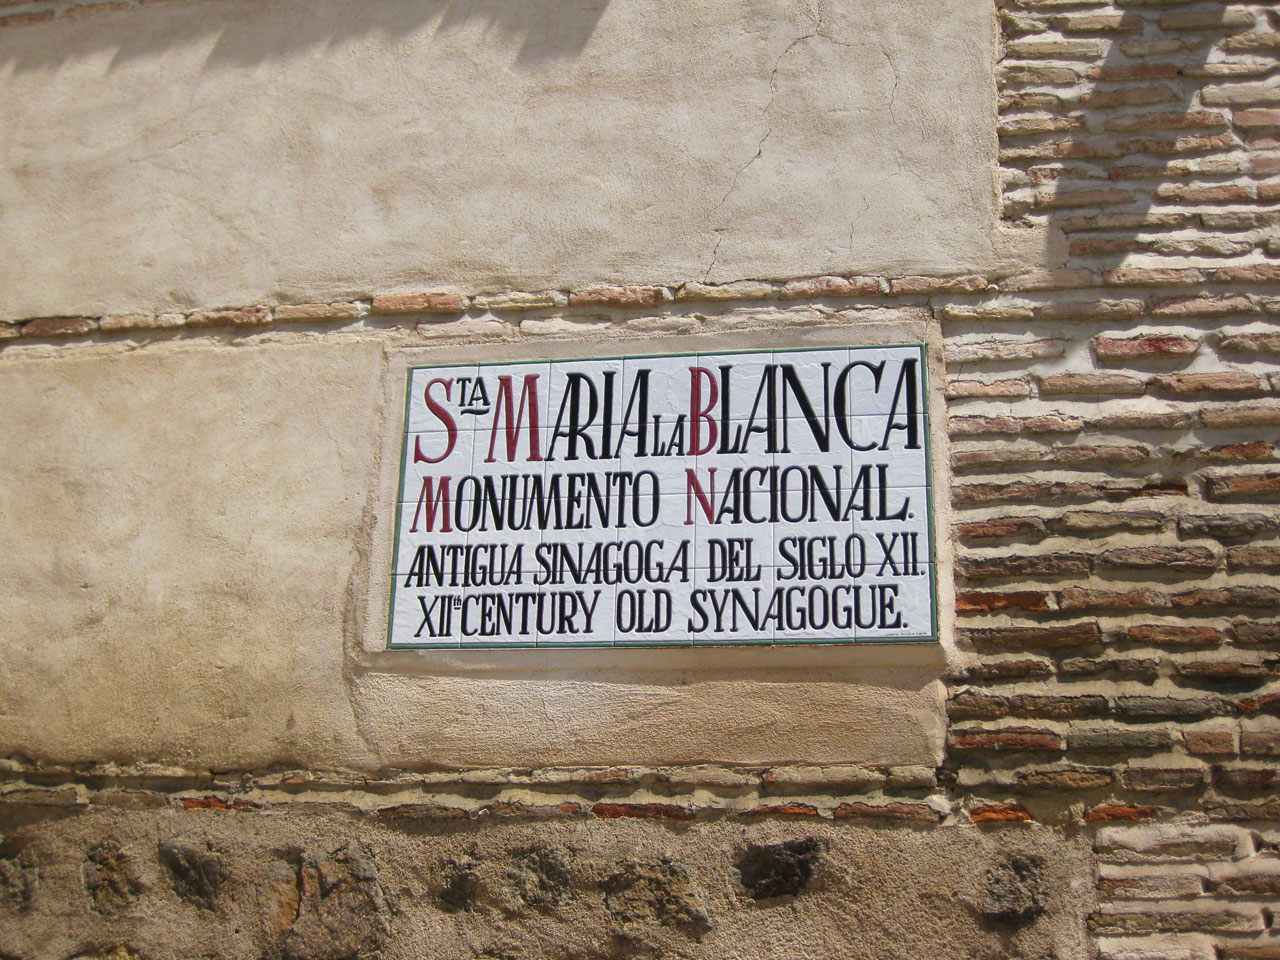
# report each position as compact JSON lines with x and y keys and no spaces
{"x":670,"y":644}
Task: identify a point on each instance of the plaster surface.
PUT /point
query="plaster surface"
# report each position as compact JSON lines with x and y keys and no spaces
{"x":217,"y":595}
{"x":224,"y":153}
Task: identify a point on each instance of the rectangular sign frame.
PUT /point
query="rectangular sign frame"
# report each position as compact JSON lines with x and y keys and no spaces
{"x":924,"y":637}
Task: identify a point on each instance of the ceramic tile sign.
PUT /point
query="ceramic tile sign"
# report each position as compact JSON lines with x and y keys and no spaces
{"x":772,"y":497}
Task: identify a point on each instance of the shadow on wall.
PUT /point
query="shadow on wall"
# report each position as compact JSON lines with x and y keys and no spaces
{"x":247,"y":32}
{"x":1113,"y":150}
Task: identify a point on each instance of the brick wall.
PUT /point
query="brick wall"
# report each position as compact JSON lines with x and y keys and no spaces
{"x":1114,"y":425}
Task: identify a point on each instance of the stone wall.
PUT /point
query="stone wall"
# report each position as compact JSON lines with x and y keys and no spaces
{"x":1101,"y":782}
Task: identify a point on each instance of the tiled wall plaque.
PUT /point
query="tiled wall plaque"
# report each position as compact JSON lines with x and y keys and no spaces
{"x":770,"y":497}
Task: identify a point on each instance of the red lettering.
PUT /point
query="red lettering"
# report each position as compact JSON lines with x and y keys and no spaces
{"x":699,"y":413}
{"x":432,"y":499}
{"x":692,"y":489}
{"x":444,"y":417}
{"x":505,"y":404}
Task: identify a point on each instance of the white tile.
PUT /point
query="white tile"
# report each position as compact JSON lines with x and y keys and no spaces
{"x":897,"y":607}
{"x":447,"y":394}
{"x":732,"y":612}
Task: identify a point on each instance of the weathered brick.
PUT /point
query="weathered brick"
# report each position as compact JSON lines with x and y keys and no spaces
{"x":245,"y":317}
{"x":736,"y":290}
{"x":1215,"y":19}
{"x":1002,"y":528}
{"x":1209,"y":742}
{"x":1095,"y":523}
{"x":1074,"y":778}
{"x":1257,"y":556}
{"x":986,"y":311}
{"x":1111,"y":813}
{"x":1138,"y":707}
{"x":962,"y":389}
{"x":609,"y":296}
{"x":1046,"y":707}
{"x":436,"y":302}
{"x":1057,"y":492}
{"x":1229,"y":671}
{"x":1020,"y":669}
{"x":1214,"y":598}
{"x":981,"y":426}
{"x":1168,"y":558}
{"x":1059,"y":636}
{"x":299,"y":312}
{"x":1145,"y":420}
{"x":1255,"y":451}
{"x":816,"y":287}
{"x":1051,"y":49}
{"x":1202,"y":306}
{"x":1227,"y":526}
{"x":1256,"y":631}
{"x":999,"y":813}
{"x":1147,"y":346}
{"x":1121,"y":668}
{"x":1003,"y":348}
{"x":1168,"y":921}
{"x":1058,"y":199}
{"x":1005,"y":740}
{"x":893,"y":810}
{"x":966,"y":283}
{"x":1173,"y":635}
{"x":1260,"y":743}
{"x":1246,"y":779}
{"x":977,"y":705}
{"x":1199,"y":193}
{"x":1241,"y":415}
{"x":1118,"y":739}
{"x":1267,"y":344}
{"x":641,"y":811}
{"x":993,"y":601}
{"x":1089,"y":598}
{"x":59,"y":327}
{"x":1065,"y":384}
{"x":1162,"y":779}
{"x":1091,"y":310}
{"x":1154,"y":276}
{"x":1107,"y":454}
{"x":1259,"y":487}
{"x":1268,"y":809}
{"x":1256,"y":117}
{"x":1208,"y":384}
{"x":1248,"y":272}
{"x":1152,"y":887}
{"x":1018,"y":565}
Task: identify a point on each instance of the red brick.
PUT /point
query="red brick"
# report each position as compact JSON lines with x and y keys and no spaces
{"x":58,"y":327}
{"x":1006,"y":739}
{"x":641,"y":811}
{"x":992,"y":601}
{"x":894,"y":810}
{"x":1060,"y":636}
{"x":999,"y":813}
{"x":1143,"y":347}
{"x":1209,"y":742}
{"x":1171,"y":635}
{"x":980,"y":426}
{"x":782,"y":810}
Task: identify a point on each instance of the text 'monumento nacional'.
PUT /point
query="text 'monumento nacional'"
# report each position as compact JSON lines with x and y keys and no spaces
{"x":768,"y":497}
